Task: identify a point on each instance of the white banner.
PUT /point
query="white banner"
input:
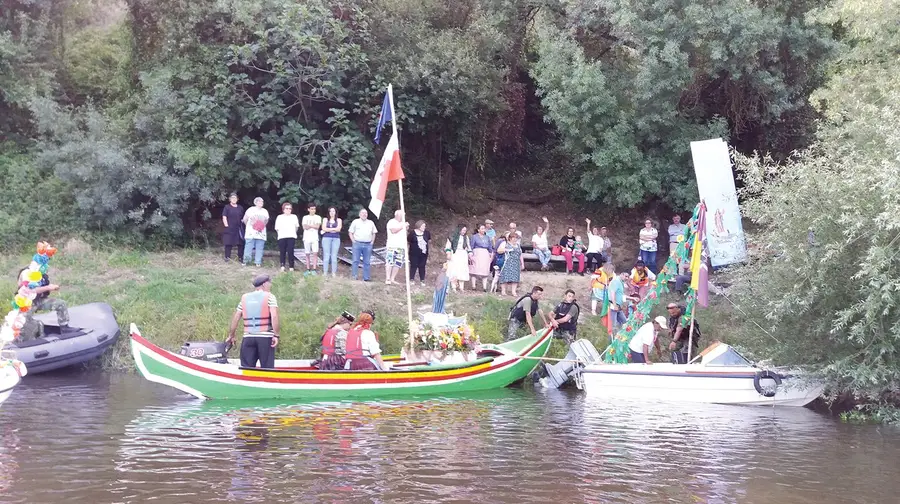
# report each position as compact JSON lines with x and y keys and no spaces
{"x":715,"y":181}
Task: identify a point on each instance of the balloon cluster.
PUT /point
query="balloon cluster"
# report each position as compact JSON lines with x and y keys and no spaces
{"x":28,"y":281}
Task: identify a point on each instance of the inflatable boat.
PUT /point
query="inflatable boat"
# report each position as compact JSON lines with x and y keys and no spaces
{"x":92,"y":329}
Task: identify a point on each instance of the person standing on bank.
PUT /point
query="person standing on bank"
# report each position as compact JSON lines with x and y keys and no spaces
{"x":513,"y":264}
{"x":418,"y":241}
{"x":256,"y":219}
{"x":482,"y":257}
{"x":362,"y":234}
{"x":395,"y":255}
{"x":648,"y":245}
{"x":311,"y":225}
{"x":259,"y":311}
{"x":331,"y":241}
{"x":286,"y":226}
{"x":564,"y":318}
{"x":231,"y":219}
{"x":676,"y":229}
{"x":523,"y":311}
{"x":681,"y":333}
{"x":647,"y":336}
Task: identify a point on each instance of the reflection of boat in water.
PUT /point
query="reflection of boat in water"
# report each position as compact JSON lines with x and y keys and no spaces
{"x":496,"y":367}
{"x":721,"y":375}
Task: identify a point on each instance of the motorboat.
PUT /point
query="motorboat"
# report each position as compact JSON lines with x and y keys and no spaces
{"x":720,"y":375}
{"x":11,"y":373}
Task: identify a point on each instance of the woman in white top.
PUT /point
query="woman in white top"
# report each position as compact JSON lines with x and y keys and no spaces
{"x":648,"y":236}
{"x":460,"y":248}
{"x":286,"y":226}
{"x":540,"y":246}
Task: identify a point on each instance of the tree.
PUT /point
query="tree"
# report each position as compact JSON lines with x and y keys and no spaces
{"x":828,"y":283}
{"x":629,"y":84}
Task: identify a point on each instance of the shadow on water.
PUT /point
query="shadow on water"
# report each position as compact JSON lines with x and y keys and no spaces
{"x":122,"y":439}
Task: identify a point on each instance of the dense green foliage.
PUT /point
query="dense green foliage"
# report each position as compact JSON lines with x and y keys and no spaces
{"x":827,"y":281}
{"x":629,"y":84}
{"x":149,"y":112}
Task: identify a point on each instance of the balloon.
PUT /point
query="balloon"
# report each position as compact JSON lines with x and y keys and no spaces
{"x":34,"y":276}
{"x":34,"y":285}
{"x":43,"y":269}
{"x":14,"y":305}
{"x":51,"y":251}
{"x":41,"y":247}
{"x":22,"y":301}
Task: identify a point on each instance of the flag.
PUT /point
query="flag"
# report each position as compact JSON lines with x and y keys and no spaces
{"x":699,"y":257}
{"x":389,"y":170}
{"x":384,"y":116}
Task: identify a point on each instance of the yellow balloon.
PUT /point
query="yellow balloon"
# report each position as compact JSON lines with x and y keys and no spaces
{"x":34,"y":276}
{"x":22,"y":301}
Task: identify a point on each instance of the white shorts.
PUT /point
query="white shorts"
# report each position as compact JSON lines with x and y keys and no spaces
{"x":311,"y":246}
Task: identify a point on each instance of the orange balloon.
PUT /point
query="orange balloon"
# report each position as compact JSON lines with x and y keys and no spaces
{"x":51,"y":251}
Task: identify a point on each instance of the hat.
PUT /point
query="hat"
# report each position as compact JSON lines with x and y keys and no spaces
{"x":488,"y":221}
{"x":258,"y":280}
{"x":661,"y":321}
{"x":370,"y":312}
{"x":346,"y":315}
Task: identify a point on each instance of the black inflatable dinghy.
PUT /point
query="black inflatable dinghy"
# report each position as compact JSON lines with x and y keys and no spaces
{"x":92,"y":329}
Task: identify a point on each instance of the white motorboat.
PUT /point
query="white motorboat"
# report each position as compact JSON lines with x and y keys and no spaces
{"x":11,"y":373}
{"x":718,"y":375}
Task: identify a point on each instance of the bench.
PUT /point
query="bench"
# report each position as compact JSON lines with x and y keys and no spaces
{"x":529,"y":256}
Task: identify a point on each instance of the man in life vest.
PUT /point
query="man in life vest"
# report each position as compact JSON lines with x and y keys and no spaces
{"x":564,"y":318}
{"x":259,"y":310}
{"x":523,"y":311}
{"x":33,"y":329}
{"x":641,"y":279}
{"x":334,"y":343}
{"x":363,"y":352}
{"x":680,"y":331}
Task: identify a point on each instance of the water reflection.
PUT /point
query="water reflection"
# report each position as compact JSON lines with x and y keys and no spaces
{"x":124,"y":440}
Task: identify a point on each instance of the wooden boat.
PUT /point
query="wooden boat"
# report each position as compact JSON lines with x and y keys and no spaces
{"x":496,"y":366}
{"x":719,"y":375}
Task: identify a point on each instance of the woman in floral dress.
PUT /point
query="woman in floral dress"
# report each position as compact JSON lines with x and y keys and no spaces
{"x":513,"y":264}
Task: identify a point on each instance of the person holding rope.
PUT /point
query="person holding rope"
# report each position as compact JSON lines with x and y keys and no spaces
{"x":564,"y":318}
{"x":681,"y":333}
{"x":523,"y":311}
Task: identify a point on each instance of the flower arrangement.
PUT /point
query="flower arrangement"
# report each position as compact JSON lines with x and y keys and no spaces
{"x":31,"y":278}
{"x":453,"y":338}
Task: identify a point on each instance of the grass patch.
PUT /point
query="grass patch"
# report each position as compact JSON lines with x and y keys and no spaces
{"x":190,"y":295}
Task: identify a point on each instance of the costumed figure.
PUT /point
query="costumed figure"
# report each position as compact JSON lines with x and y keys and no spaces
{"x":334,"y":343}
{"x":33,"y":293}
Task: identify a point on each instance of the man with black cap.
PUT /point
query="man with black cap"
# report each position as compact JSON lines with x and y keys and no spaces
{"x":259,"y":310}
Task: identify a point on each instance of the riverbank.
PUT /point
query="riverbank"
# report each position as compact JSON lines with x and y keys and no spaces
{"x":190,"y":295}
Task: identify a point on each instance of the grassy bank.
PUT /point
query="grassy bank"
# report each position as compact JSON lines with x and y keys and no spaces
{"x":191,"y":294}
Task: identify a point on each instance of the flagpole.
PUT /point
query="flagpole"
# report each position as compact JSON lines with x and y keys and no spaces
{"x":691,"y":332}
{"x":409,"y":318}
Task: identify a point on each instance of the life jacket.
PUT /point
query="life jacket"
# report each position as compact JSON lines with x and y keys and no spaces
{"x":517,"y":312}
{"x":561,"y":310}
{"x":685,"y":333}
{"x":354,"y":344}
{"x":640,"y":278}
{"x":255,"y":312}
{"x":328,"y":341}
{"x":602,"y":280}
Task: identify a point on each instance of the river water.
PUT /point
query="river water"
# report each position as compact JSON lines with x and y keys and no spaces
{"x":97,"y":438}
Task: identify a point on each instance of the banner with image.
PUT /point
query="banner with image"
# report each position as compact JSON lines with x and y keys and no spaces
{"x":715,"y":181}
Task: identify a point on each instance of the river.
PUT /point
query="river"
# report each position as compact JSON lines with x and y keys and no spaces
{"x":96,"y":438}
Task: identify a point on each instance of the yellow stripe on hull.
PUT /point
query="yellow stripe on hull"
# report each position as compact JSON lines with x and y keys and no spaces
{"x":318,"y":375}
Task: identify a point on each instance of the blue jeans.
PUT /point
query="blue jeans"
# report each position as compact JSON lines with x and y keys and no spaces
{"x":249,"y":248}
{"x":364,"y":251}
{"x":330,"y":247}
{"x":649,"y":259}
{"x":543,"y":256}
{"x":637,"y":357}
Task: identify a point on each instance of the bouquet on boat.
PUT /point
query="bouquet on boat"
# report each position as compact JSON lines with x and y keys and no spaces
{"x":449,"y":341}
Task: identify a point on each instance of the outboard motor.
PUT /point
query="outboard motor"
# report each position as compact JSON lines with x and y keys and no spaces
{"x":209,"y":351}
{"x":560,"y":373}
